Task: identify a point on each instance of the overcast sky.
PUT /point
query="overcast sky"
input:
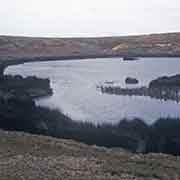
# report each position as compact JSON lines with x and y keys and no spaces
{"x":65,"y":18}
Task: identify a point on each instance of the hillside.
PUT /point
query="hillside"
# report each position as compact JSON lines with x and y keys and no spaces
{"x":24,"y":156}
{"x":59,"y":48}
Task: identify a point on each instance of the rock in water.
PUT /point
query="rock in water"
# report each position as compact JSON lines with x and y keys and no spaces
{"x":130,"y":80}
{"x":129,"y":59}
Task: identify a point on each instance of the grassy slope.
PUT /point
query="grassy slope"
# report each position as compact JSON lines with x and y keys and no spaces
{"x":30,"y":157}
{"x":145,"y":45}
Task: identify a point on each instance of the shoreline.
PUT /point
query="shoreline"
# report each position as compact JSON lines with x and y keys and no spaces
{"x":16,"y":61}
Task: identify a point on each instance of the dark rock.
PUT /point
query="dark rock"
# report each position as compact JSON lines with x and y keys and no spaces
{"x":130,"y":80}
{"x":129,"y":59}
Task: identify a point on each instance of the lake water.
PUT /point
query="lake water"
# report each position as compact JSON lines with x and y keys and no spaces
{"x":75,"y":90}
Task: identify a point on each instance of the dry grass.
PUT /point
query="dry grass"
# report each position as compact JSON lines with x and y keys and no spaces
{"x":29,"y":157}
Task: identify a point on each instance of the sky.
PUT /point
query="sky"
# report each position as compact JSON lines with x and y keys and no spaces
{"x":82,"y":18}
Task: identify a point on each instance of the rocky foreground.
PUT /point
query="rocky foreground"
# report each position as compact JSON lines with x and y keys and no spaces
{"x":30,"y":157}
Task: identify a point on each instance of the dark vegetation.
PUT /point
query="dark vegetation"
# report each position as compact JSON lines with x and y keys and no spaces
{"x":22,"y":115}
{"x":17,"y":85}
{"x":18,"y":112}
{"x":171,"y":82}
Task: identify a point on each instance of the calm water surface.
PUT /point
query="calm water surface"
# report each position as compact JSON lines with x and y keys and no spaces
{"x":74,"y":85}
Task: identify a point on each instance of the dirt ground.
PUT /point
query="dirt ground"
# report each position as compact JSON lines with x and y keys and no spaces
{"x":30,"y":157}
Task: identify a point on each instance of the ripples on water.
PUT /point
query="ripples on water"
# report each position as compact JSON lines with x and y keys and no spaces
{"x":75,"y":93}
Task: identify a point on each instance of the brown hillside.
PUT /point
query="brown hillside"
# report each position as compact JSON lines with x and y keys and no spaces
{"x":29,"y":157}
{"x":54,"y":48}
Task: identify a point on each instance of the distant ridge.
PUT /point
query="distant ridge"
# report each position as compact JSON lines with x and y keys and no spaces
{"x":38,"y":48}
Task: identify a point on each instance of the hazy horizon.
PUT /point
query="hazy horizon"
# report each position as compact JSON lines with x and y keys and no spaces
{"x":68,"y":18}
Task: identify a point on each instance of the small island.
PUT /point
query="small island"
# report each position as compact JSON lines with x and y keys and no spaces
{"x":163,"y":88}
